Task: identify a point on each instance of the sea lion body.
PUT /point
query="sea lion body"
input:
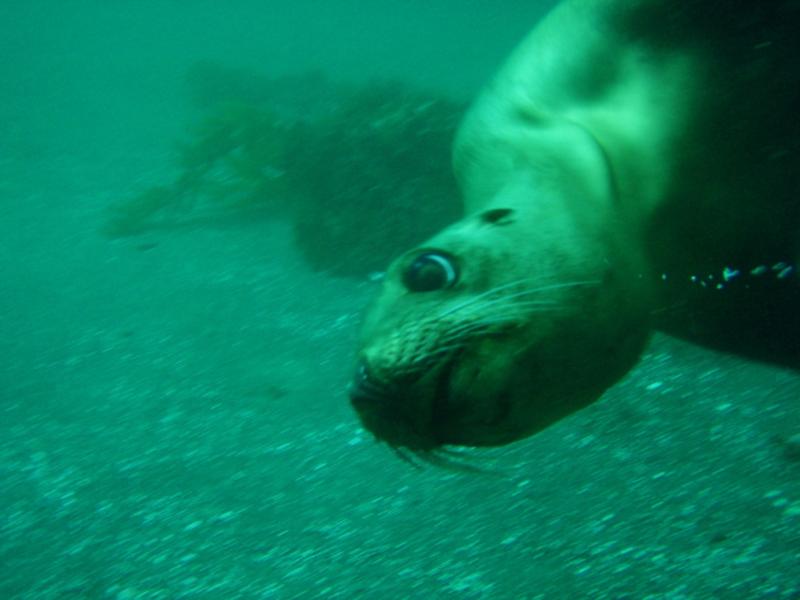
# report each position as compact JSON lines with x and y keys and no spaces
{"x":626,"y":170}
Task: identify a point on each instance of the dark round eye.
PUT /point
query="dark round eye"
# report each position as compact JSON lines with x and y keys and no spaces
{"x":431,"y":271}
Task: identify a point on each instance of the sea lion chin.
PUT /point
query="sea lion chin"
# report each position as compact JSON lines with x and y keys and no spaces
{"x":584,"y":167}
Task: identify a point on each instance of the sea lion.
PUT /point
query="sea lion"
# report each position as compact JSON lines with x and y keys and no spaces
{"x":634,"y":165}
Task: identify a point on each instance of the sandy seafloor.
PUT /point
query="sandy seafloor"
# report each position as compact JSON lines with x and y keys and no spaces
{"x":174,"y":424}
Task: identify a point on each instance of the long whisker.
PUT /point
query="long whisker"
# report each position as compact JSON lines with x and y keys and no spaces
{"x":406,"y":456}
{"x":511,"y":297}
{"x":505,"y":316}
{"x":500,"y":288}
{"x":480,"y":296}
{"x":510,"y":311}
{"x":509,"y":305}
{"x":463,"y":331}
{"x":441,"y":351}
{"x":555,"y":286}
{"x":449,"y":461}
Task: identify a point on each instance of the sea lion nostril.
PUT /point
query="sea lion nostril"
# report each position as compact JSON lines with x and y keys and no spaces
{"x":364,"y":388}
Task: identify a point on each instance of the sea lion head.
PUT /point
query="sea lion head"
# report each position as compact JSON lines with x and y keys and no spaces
{"x":525,"y":310}
{"x":504,"y":322}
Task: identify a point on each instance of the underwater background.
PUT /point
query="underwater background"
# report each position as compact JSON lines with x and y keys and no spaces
{"x":173,"y":414}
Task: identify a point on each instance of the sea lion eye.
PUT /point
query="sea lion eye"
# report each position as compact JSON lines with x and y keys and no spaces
{"x":431,"y":271}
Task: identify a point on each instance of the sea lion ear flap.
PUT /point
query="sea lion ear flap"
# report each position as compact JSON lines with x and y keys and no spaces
{"x":498,"y":216}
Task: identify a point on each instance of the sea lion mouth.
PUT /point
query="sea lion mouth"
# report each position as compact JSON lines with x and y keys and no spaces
{"x":409,"y":412}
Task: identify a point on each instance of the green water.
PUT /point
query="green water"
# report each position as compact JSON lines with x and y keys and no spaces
{"x":173,"y":416}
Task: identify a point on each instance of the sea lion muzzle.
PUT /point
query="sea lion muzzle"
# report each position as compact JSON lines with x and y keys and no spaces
{"x":407,"y":412}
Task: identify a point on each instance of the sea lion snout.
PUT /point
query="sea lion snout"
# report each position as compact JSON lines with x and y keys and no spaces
{"x":411,"y":410}
{"x":397,"y":412}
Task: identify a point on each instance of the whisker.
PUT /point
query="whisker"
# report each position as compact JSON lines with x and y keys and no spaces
{"x":500,"y":288}
{"x":425,"y":358}
{"x":509,"y":304}
{"x":555,"y":286}
{"x":480,"y":296}
{"x":405,"y":455}
{"x":443,"y":459}
{"x":520,"y":294}
{"x":371,"y":387}
{"x":480,"y":326}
